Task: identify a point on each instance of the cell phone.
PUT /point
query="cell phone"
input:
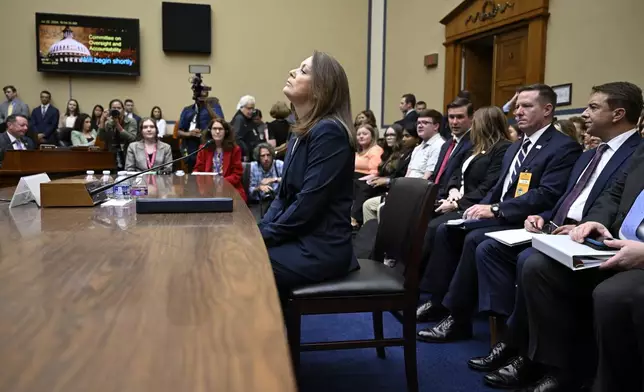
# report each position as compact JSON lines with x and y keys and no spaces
{"x":598,"y":243}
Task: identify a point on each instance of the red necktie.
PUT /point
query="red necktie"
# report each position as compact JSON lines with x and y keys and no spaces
{"x":444,"y":163}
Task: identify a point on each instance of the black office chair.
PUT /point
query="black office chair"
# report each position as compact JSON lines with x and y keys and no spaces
{"x":376,"y":287}
{"x":65,"y":137}
{"x":246,"y":176}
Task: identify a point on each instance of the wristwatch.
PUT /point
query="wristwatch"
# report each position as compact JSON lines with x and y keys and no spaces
{"x":496,"y":210}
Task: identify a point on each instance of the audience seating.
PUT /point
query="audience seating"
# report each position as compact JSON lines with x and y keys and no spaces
{"x":376,"y":287}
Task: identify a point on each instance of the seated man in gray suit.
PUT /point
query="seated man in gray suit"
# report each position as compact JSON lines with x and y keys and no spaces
{"x":12,"y":105}
{"x":14,"y":138}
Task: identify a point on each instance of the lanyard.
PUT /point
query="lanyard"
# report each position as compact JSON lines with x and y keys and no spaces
{"x":151,"y":159}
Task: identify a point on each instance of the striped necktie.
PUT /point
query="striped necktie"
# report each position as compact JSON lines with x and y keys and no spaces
{"x":518,"y":161}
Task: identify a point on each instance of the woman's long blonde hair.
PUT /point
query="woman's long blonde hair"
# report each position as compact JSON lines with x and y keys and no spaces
{"x":489,"y":126}
{"x":330,"y":92}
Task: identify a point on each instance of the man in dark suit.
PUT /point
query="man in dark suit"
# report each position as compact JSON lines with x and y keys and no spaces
{"x":456,"y":149}
{"x":44,"y":120}
{"x":535,"y":171}
{"x":408,"y":108}
{"x":129,"y":111}
{"x":559,"y":301}
{"x":499,"y":265}
{"x":14,"y":138}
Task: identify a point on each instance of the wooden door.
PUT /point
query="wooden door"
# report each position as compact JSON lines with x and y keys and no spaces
{"x":510,"y":64}
{"x":478,"y":67}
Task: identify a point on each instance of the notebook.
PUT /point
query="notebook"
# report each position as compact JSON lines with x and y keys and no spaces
{"x":512,"y":237}
{"x":573,"y":255}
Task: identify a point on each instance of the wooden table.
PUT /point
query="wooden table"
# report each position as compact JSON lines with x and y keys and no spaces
{"x":104,"y":300}
{"x":54,"y":162}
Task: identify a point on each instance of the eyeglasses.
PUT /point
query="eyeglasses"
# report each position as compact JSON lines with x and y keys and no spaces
{"x":217,"y":129}
{"x":426,"y":122}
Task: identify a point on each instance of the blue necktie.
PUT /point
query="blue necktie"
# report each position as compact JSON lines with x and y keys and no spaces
{"x":633,"y":220}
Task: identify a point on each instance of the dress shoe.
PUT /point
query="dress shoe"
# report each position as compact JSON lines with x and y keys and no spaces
{"x":555,"y":384}
{"x":520,"y":372}
{"x":448,"y":330}
{"x":500,"y":354}
{"x":430,"y":311}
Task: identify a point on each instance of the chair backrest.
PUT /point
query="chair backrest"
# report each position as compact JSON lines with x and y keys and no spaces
{"x":65,"y":137}
{"x":246,"y":176}
{"x":403,"y":222}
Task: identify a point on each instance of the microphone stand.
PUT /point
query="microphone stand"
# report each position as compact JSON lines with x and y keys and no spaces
{"x":106,"y":187}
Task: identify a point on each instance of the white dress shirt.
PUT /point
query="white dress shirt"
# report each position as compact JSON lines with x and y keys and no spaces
{"x":17,"y":144}
{"x":424,"y":157}
{"x":70,"y":121}
{"x":577,"y":208}
{"x":534,"y":138}
{"x":43,"y":109}
{"x":161,"y":126}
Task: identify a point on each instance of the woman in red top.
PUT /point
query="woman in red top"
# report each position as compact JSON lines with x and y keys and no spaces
{"x":224,"y":157}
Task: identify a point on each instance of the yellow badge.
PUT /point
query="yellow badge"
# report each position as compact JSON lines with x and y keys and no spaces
{"x":524,"y":184}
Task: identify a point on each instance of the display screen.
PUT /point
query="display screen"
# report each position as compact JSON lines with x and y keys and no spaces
{"x":87,"y":44}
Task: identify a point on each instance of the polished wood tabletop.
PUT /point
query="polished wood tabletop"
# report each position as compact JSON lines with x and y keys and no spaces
{"x":104,"y":300}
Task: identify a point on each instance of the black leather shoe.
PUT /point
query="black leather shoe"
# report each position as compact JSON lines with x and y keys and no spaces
{"x":430,"y":311}
{"x":448,"y":330}
{"x":498,"y":356}
{"x":520,"y":372}
{"x":554,"y":384}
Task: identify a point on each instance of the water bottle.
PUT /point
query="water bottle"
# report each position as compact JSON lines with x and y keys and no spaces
{"x":122,"y":190}
{"x":90,"y":176}
{"x":139,"y":187}
{"x":106,"y":180}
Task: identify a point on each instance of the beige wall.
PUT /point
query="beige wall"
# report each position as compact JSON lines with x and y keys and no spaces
{"x":414,"y":30}
{"x":255,"y":43}
{"x":587,"y":45}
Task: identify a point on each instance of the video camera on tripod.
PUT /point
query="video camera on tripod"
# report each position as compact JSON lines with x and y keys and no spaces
{"x":199,"y":90}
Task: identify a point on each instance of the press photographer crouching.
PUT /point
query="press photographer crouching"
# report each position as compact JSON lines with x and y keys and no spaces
{"x":265,"y":173}
{"x":116,"y":131}
{"x":148,"y":151}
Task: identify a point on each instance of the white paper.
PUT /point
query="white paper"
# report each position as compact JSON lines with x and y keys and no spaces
{"x":28,"y":189}
{"x":116,"y":203}
{"x":204,"y":174}
{"x":512,"y":237}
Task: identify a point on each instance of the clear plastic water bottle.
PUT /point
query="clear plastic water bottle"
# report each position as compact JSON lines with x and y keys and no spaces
{"x":106,"y":180}
{"x":90,"y":175}
{"x":122,"y":190}
{"x":139,"y":187}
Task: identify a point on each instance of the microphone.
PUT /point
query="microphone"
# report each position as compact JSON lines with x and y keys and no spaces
{"x":108,"y":186}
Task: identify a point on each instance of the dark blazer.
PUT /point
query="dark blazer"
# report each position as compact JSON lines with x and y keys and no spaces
{"x":461,"y":152}
{"x":48,"y":124}
{"x":232,"y":168}
{"x":410,"y":118}
{"x":612,"y":206}
{"x":307,"y":228}
{"x":550,"y":162}
{"x":613,"y":169}
{"x":5,"y":144}
{"x":480,"y":176}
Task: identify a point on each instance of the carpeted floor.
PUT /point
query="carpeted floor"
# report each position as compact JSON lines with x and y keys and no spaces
{"x":441,"y":367}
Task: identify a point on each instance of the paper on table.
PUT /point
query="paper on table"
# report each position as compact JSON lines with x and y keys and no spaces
{"x":116,"y":203}
{"x":512,"y":237}
{"x":204,"y":174}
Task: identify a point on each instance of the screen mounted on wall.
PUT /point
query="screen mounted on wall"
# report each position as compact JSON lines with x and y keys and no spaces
{"x":87,"y":44}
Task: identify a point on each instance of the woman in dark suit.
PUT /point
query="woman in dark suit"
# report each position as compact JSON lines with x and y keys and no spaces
{"x":223,"y":157}
{"x":307,"y":228}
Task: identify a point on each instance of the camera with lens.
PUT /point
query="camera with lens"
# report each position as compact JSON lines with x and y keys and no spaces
{"x":199,"y":90}
{"x":115,"y":113}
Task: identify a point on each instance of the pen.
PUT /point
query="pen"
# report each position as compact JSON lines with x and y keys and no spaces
{"x":535,"y":227}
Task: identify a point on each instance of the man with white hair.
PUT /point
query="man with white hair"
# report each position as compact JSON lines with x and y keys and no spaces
{"x":247,"y":136}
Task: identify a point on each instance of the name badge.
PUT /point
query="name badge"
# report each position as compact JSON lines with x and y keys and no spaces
{"x":523,"y":185}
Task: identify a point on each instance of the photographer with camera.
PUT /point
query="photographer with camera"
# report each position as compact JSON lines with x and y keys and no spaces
{"x":116,"y":131}
{"x":195,"y":118}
